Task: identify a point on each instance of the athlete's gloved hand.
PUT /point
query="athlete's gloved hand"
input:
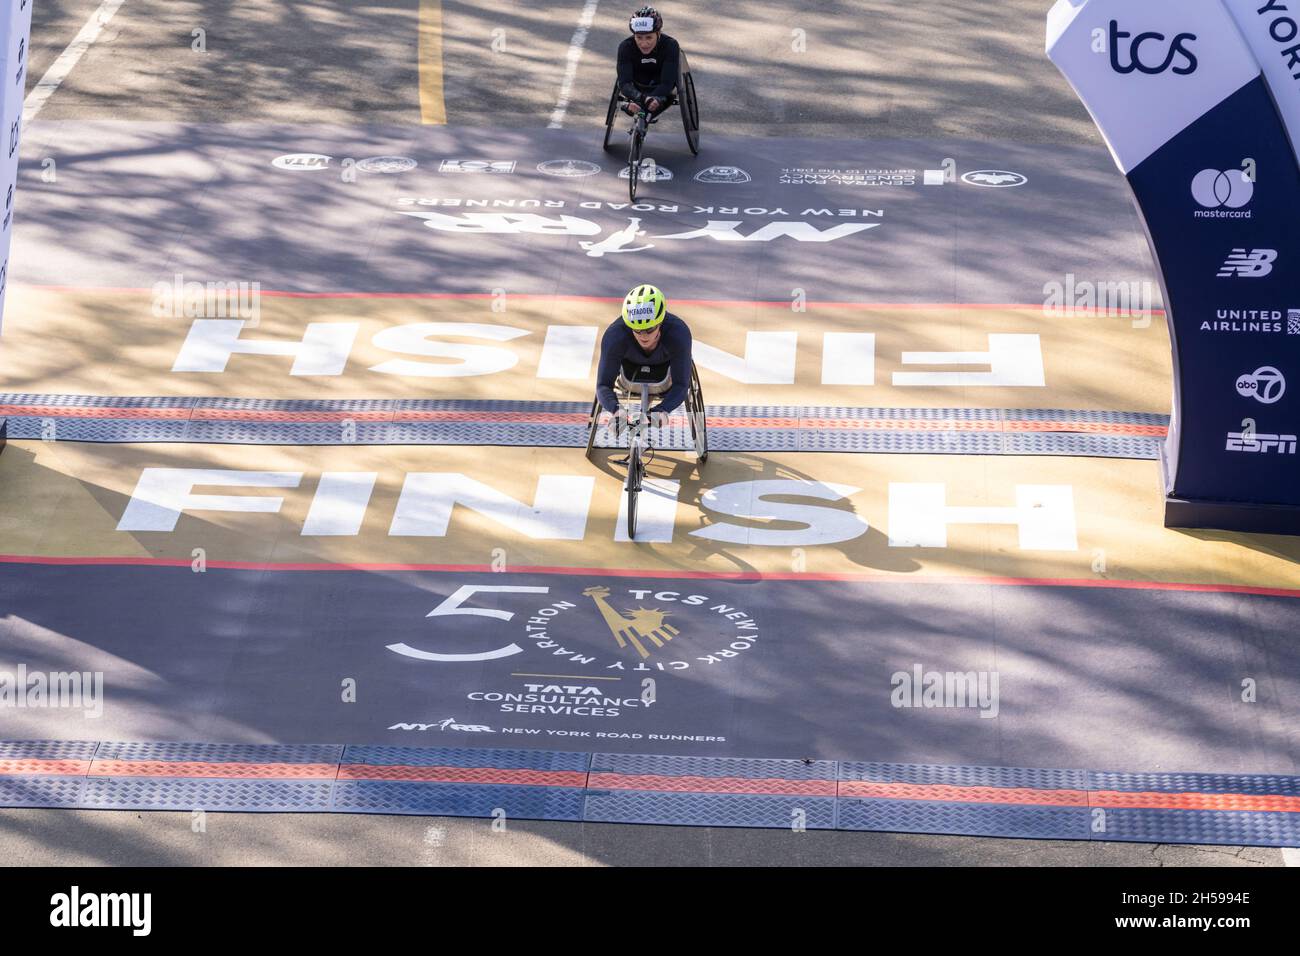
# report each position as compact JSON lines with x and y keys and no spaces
{"x":652,"y":104}
{"x":617,"y":420}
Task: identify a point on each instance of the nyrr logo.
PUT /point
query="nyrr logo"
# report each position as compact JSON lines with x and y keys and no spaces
{"x":449,"y":724}
{"x":621,"y":240}
{"x":636,"y":637}
{"x":1152,"y":66}
{"x":1265,"y":385}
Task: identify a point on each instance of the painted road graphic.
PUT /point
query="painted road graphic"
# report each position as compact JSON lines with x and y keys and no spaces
{"x":669,"y":665}
{"x":776,"y":602}
{"x":487,"y":209}
{"x":465,"y":506}
{"x":507,"y":348}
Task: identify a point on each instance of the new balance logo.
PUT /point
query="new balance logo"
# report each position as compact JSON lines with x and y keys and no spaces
{"x":1254,"y":264}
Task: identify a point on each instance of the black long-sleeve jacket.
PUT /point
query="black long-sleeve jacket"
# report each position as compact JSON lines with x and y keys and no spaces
{"x":650,"y":75}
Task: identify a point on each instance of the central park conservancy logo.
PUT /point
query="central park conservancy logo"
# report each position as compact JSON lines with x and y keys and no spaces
{"x":645,"y":630}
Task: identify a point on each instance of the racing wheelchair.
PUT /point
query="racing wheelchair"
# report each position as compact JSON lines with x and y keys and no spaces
{"x":683,"y":97}
{"x":634,"y":386}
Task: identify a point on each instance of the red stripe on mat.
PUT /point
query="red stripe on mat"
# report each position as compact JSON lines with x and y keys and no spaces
{"x":861,"y":789}
{"x":44,"y":767}
{"x":485,"y":775}
{"x":1113,"y":799}
{"x":1268,"y":803}
{"x":93,"y":411}
{"x":869,"y":789}
{"x":929,"y":579}
{"x":194,"y":768}
{"x":773,"y":785}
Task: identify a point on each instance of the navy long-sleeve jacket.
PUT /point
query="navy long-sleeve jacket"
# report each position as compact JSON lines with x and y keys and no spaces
{"x":649,"y":75}
{"x":673,"y":350}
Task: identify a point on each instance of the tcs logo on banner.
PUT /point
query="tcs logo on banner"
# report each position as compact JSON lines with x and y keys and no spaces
{"x":1149,"y":60}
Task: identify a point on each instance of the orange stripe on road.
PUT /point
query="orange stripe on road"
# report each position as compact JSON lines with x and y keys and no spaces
{"x":39,"y":767}
{"x":1154,"y":800}
{"x":656,"y":574}
{"x":92,"y":411}
{"x":950,"y":794}
{"x":483,"y":775}
{"x":187,"y":768}
{"x":772,"y":785}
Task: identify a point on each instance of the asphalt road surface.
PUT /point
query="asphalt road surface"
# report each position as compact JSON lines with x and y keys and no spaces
{"x":163,"y":132}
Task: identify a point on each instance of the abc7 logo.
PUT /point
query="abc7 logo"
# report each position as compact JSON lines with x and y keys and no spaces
{"x":1265,"y":385}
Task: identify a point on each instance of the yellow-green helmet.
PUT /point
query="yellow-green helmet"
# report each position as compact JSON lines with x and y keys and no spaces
{"x":644,"y":308}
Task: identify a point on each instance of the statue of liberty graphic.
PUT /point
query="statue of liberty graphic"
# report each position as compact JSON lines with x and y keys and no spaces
{"x":616,"y":241}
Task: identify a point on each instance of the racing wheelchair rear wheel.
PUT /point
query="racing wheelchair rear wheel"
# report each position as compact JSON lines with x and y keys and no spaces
{"x":609,"y":116}
{"x":689,"y":107}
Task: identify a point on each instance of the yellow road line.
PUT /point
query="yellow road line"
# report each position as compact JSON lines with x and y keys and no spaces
{"x":433,"y":110}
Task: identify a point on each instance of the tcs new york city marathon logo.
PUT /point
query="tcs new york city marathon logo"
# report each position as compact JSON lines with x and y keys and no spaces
{"x":636,"y":629}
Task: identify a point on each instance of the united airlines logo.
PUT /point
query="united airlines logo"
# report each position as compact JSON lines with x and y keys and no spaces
{"x":1157,"y":57}
{"x":1257,"y":443}
{"x":1252,"y":264}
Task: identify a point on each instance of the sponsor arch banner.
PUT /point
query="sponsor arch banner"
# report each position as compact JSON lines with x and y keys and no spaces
{"x":15,"y":36}
{"x":1201,"y":132}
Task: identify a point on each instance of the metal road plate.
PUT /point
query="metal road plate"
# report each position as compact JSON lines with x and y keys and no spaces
{"x":458,"y":800}
{"x":931,"y":775}
{"x":710,"y":809}
{"x":172,"y":793}
{"x":971,"y":819}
